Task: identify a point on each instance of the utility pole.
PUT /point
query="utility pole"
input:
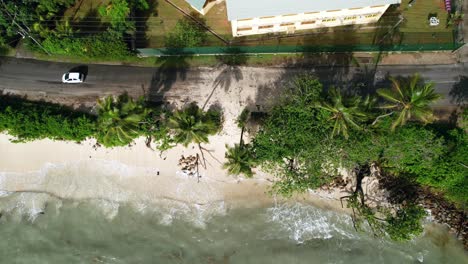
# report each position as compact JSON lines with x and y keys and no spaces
{"x":24,"y":33}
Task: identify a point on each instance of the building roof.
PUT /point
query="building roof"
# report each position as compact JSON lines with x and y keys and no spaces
{"x":243,"y":9}
{"x":198,"y":4}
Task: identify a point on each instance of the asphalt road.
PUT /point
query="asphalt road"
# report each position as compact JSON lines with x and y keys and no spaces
{"x":32,"y":76}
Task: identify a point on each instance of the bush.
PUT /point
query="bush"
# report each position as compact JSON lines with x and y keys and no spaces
{"x":105,"y":45}
{"x":449,"y":173}
{"x":29,"y":121}
{"x":186,"y":34}
{"x":405,"y":223}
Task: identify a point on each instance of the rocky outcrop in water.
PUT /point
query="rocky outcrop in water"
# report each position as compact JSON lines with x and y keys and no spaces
{"x":445,"y":212}
{"x":382,"y":189}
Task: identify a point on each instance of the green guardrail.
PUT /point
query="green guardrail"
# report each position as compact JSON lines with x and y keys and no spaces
{"x":232,"y":50}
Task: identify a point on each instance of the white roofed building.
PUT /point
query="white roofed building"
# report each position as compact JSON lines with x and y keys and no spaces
{"x":250,"y":17}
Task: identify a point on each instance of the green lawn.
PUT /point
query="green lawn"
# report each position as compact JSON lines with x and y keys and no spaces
{"x":162,"y":20}
{"x":417,"y":16}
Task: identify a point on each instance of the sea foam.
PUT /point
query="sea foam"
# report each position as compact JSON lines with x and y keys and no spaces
{"x":101,"y":184}
{"x":304,"y":222}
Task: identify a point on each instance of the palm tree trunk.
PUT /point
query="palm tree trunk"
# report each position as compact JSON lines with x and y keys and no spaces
{"x":241,"y":143}
{"x":198,"y":171}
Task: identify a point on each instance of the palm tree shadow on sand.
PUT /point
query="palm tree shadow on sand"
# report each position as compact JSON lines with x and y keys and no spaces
{"x":231,"y":63}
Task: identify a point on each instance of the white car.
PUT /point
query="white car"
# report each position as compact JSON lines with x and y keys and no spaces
{"x":72,"y":77}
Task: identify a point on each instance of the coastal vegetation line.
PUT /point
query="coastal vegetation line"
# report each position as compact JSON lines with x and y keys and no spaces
{"x":303,"y":140}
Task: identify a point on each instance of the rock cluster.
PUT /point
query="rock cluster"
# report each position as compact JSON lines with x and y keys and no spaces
{"x":189,"y":165}
{"x":385,"y":190}
{"x":447,"y":213}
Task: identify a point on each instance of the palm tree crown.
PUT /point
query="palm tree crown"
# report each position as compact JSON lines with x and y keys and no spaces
{"x":119,"y":120}
{"x":192,"y":125}
{"x":239,"y":160}
{"x":410,"y":99}
{"x":345,"y":112}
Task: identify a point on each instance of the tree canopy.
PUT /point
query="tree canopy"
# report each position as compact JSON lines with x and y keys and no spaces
{"x":410,"y":99}
{"x":192,"y":125}
{"x":119,"y":120}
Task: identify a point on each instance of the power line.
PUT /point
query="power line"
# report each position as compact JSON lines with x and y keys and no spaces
{"x":23,"y":32}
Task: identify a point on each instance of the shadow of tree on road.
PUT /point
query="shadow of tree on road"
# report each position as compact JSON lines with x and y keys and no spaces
{"x":170,"y":70}
{"x":459,"y":92}
{"x":231,"y":70}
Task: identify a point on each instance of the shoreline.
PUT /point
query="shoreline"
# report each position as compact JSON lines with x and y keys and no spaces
{"x":80,"y":172}
{"x":131,"y":174}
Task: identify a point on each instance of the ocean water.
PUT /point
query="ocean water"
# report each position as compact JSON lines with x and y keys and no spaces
{"x":39,"y":228}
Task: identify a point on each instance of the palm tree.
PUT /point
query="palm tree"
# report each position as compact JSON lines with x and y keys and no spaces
{"x":242,"y":122}
{"x":346,"y":113}
{"x":239,"y":160}
{"x":410,"y":99}
{"x":192,"y":125}
{"x":119,"y":120}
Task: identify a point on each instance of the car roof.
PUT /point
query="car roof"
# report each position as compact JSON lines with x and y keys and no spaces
{"x":74,"y":75}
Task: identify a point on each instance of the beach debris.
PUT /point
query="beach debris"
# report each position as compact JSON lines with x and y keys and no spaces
{"x":96,"y":146}
{"x":189,"y":165}
{"x":148,"y":141}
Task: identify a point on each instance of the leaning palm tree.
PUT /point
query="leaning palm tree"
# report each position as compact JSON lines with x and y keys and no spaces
{"x":239,"y":160}
{"x":346,"y":112}
{"x":242,"y":123}
{"x":192,"y":125}
{"x":410,"y":100}
{"x":119,"y":120}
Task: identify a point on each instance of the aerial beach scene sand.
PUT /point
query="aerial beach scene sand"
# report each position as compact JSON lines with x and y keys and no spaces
{"x":233,"y":131}
{"x":55,"y":179}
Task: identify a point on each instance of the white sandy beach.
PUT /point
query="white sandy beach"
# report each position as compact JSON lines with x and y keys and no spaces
{"x":69,"y":170}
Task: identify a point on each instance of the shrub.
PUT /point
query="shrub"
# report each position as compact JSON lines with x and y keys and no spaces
{"x":29,"y":120}
{"x":449,"y":172}
{"x":186,"y":34}
{"x":405,"y":223}
{"x":105,"y":45}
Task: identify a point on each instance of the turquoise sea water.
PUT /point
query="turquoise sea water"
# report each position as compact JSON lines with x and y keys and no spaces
{"x":103,"y":232}
{"x":38,"y":228}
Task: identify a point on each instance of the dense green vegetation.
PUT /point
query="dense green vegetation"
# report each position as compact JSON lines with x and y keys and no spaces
{"x":28,"y":121}
{"x":118,"y":122}
{"x":312,"y":132}
{"x":105,"y":45}
{"x":47,"y":30}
